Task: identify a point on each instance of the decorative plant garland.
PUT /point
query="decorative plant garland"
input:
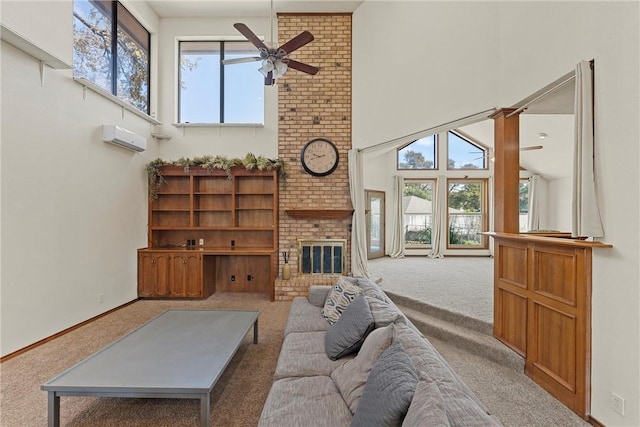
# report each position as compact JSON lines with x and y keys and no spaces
{"x":211,"y":163}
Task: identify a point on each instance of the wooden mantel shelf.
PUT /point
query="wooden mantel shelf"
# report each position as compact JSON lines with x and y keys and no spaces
{"x":319,"y":213}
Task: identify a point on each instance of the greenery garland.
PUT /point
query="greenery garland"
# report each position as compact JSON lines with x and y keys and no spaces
{"x":211,"y":163}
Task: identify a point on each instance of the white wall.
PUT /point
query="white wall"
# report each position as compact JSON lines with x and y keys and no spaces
{"x":197,"y":141}
{"x":551,"y":39}
{"x":73,"y":207}
{"x":498,"y":53}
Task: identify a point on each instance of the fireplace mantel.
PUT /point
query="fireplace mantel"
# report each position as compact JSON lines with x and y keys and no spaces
{"x":319,"y":213}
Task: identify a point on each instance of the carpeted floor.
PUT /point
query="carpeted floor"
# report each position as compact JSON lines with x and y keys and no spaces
{"x":459,"y":284}
{"x":237,"y":398}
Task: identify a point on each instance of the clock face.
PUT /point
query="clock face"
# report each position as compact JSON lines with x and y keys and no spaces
{"x":319,"y":157}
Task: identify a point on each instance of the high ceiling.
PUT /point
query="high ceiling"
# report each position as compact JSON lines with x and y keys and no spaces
{"x":551,"y":113}
{"x":246,"y":8}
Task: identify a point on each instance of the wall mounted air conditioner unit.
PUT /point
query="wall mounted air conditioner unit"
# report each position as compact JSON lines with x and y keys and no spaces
{"x":124,"y":138}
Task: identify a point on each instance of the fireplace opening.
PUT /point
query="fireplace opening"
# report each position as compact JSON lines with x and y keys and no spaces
{"x":321,"y":256}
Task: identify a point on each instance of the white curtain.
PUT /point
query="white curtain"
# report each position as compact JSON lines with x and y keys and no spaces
{"x":586,"y":220}
{"x":359,"y":264}
{"x":439,"y":217}
{"x":397,"y":249}
{"x":533,"y":219}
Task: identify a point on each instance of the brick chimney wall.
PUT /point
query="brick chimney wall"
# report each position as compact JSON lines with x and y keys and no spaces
{"x":312,"y":107}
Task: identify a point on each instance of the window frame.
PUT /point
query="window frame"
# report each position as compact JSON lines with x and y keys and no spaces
{"x":220,"y":84}
{"x":469,"y":139}
{"x":484,"y":206}
{"x":433,"y":182}
{"x":113,"y":68}
{"x":436,"y":151}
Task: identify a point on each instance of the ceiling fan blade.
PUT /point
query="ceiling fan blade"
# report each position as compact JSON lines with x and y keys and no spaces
{"x":249,"y":35}
{"x":531,"y":147}
{"x":268,"y":81}
{"x":240,"y":60}
{"x":305,"y":68}
{"x":297,"y":42}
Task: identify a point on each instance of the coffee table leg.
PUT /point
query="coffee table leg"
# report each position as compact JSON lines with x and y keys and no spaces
{"x":205,"y":408}
{"x":255,"y":332}
{"x":53,"y":410}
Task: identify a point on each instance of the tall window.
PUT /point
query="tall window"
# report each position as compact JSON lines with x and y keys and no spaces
{"x":465,"y":154}
{"x":467,"y":213}
{"x":524,"y":205}
{"x":211,"y":92}
{"x":111,"y":50}
{"x":420,"y":154}
{"x":417,"y":209}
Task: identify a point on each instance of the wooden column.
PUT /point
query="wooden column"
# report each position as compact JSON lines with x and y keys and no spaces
{"x":506,"y":171}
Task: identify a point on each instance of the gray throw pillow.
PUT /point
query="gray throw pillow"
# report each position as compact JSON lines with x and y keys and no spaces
{"x":342,"y":293}
{"x":389,"y":390}
{"x":349,"y":332}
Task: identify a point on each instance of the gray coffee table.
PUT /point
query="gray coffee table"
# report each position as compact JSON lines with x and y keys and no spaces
{"x":178,"y":354}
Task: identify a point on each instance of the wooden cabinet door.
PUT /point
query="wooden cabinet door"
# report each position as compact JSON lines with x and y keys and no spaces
{"x":186,"y":280}
{"x":153,"y":275}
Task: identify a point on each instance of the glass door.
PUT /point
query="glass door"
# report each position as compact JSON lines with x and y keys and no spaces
{"x":375,"y":223}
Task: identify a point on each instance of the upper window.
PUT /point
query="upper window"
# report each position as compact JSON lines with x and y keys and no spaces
{"x":420,"y":154}
{"x":465,"y":154}
{"x":111,"y":49}
{"x":211,"y":92}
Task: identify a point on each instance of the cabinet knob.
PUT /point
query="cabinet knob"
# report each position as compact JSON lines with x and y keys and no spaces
{"x":153,"y":261}
{"x":184,"y":261}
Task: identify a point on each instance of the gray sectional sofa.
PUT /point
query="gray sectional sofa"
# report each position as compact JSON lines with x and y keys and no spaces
{"x":385,"y":371}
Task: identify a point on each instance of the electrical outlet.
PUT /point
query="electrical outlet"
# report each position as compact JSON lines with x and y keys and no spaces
{"x":201,"y":242}
{"x":617,"y":403}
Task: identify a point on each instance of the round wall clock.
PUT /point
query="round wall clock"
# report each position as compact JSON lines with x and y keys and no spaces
{"x":319,"y":157}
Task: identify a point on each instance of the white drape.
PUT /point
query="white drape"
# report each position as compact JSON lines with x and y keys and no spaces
{"x":397,"y":248}
{"x":586,"y":220}
{"x":359,"y":264}
{"x":533,"y":219}
{"x":439,"y":205}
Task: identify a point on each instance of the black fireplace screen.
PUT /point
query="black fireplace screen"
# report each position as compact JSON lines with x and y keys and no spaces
{"x":322,"y":256}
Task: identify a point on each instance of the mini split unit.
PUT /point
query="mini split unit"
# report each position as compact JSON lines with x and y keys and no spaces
{"x":124,"y":138}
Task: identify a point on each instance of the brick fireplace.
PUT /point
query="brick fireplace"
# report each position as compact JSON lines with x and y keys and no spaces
{"x":314,"y":208}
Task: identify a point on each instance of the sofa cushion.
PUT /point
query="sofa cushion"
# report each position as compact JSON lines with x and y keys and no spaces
{"x":427,"y":407}
{"x":383,"y":312}
{"x":461,"y":409}
{"x":302,"y":355}
{"x":349,"y":332}
{"x":317,"y":294}
{"x":306,"y":401}
{"x":304,"y":317}
{"x":389,"y":389}
{"x":342,"y":293}
{"x":351,"y":377}
{"x":427,"y":359}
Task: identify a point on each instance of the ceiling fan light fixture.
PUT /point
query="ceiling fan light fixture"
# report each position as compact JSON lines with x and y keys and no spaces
{"x":280,"y":68}
{"x":267,"y":67}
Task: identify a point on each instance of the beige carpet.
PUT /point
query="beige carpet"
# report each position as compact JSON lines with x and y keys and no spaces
{"x":236,"y":400}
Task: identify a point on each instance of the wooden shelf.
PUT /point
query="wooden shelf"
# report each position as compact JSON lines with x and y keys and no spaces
{"x":319,"y":213}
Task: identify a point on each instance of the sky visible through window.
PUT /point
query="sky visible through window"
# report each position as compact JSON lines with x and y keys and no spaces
{"x":200,"y":87}
{"x":462,"y":152}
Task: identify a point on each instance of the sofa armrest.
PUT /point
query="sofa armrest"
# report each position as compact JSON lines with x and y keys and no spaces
{"x":318,"y":294}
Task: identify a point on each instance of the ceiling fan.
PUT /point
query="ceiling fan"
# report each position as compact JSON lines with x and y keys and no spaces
{"x":527,"y":148}
{"x":274,"y":59}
